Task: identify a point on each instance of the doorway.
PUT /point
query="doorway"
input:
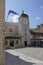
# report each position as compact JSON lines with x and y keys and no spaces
{"x":12,"y":43}
{"x":25,"y":42}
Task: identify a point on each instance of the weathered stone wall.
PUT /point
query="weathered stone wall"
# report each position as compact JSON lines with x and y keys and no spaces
{"x":2,"y":19}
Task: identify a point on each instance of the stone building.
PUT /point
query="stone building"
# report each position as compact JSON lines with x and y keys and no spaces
{"x":37,"y":39}
{"x":18,"y":34}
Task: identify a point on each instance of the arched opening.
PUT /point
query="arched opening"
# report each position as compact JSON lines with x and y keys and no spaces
{"x":12,"y":43}
{"x":25,"y":42}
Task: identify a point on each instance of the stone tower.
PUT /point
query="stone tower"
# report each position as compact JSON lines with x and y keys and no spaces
{"x":2,"y":19}
{"x":24,"y":31}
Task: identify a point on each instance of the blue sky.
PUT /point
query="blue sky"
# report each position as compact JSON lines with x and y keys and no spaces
{"x":34,"y":9}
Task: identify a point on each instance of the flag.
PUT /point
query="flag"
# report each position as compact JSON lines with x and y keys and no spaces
{"x":10,"y":11}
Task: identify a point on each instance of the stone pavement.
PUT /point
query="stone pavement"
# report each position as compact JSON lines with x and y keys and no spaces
{"x":15,"y":57}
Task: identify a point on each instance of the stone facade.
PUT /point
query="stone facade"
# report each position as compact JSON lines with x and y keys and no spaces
{"x":2,"y":17}
{"x":37,"y":39}
{"x":20,"y":35}
{"x":19,"y":32}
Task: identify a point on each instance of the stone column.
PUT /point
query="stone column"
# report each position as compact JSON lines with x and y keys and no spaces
{"x":2,"y":19}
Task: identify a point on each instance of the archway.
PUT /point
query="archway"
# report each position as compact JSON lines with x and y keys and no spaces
{"x":12,"y":43}
{"x":25,"y":42}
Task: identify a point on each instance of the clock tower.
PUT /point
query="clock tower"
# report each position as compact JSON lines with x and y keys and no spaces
{"x":24,"y":29}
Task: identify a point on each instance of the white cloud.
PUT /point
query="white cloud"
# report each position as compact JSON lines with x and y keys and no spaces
{"x":15,"y":18}
{"x":37,"y":18}
{"x":41,"y":6}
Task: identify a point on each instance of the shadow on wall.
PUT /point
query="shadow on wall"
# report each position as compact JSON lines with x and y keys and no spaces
{"x":15,"y":60}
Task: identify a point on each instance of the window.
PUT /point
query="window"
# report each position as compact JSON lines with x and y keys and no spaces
{"x":10,"y":30}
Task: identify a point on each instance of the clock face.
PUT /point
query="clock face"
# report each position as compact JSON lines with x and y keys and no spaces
{"x":25,"y":21}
